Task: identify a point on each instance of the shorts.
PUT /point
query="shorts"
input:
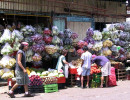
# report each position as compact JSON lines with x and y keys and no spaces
{"x":85,"y":71}
{"x":21,"y":78}
{"x":106,"y":69}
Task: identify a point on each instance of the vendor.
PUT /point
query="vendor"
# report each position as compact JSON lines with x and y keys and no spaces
{"x":105,"y":67}
{"x":62,"y":64}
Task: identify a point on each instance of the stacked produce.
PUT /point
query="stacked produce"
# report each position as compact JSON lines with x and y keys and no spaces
{"x":47,"y":39}
{"x":74,"y":36}
{"x":97,"y":35}
{"x":7,"y":49}
{"x":9,"y":74}
{"x":7,"y":62}
{"x":43,"y":74}
{"x":55,"y":31}
{"x":6,"y":37}
{"x":37,"y":38}
{"x":95,"y":69}
{"x":1,"y":72}
{"x":47,"y":36}
{"x":69,"y":48}
{"x":67,"y":40}
{"x":56,"y":40}
{"x":35,"y":80}
{"x":80,"y":51}
{"x":81,"y":44}
{"x":122,"y":40}
{"x":29,"y":55}
{"x":36,"y":57}
{"x":77,"y":63}
{"x":38,"y":47}
{"x":11,"y":40}
{"x":51,"y":49}
{"x":106,"y":33}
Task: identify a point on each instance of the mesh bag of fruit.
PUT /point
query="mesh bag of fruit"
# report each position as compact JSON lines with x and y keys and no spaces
{"x":49,"y":80}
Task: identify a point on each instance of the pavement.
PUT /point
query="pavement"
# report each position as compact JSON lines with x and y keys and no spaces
{"x":119,"y":92}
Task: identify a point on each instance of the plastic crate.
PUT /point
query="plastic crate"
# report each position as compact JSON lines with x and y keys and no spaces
{"x":97,"y":78}
{"x":116,"y":66}
{"x":128,"y":77}
{"x":51,"y":88}
{"x":61,"y":80}
{"x":73,"y":70}
{"x":35,"y":89}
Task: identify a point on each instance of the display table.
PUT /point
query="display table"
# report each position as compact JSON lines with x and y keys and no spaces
{"x":61,"y":80}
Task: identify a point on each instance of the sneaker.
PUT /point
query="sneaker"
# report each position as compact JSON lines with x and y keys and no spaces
{"x":11,"y":95}
{"x":87,"y":87}
{"x":82,"y":87}
{"x":28,"y":95}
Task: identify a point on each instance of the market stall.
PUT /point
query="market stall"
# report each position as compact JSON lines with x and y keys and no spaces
{"x":47,"y":44}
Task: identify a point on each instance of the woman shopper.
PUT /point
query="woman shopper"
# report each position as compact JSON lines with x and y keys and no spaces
{"x":105,"y":67}
{"x":86,"y":65}
{"x":62,"y":64}
{"x":20,"y":71}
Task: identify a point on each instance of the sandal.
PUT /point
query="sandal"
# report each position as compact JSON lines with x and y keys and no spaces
{"x":101,"y":86}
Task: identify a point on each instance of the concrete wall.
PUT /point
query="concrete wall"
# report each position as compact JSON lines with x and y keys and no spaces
{"x":83,"y":6}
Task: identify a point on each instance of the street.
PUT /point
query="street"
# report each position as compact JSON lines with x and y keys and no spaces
{"x":119,"y":92}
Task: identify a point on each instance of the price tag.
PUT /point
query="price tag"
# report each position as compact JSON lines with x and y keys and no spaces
{"x":78,"y":78}
{"x":9,"y":83}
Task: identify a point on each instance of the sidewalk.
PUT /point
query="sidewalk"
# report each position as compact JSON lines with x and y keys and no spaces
{"x":120,"y":92}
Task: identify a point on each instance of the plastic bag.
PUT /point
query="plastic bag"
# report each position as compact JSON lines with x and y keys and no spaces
{"x":119,"y":26}
{"x":47,"y":31}
{"x":17,"y":34}
{"x":97,"y":46}
{"x":7,"y":49}
{"x":55,"y":55}
{"x":106,"y":33}
{"x":79,"y":70}
{"x":56,"y":40}
{"x":97,"y":35}
{"x":123,"y":35}
{"x":55,"y":30}
{"x":67,"y":41}
{"x":112,"y":27}
{"x":7,"y":62}
{"x":38,"y":47}
{"x":114,"y":35}
{"x":67,"y":33}
{"x":36,"y":57}
{"x":74,"y":36}
{"x":89,"y":40}
{"x":90,"y":32}
{"x":112,"y":78}
{"x":7,"y":75}
{"x":6,"y":37}
{"x":107,"y":43}
{"x":107,"y":51}
{"x":47,"y":39}
{"x":81,"y":44}
{"x":61,"y":34}
{"x":37,"y":37}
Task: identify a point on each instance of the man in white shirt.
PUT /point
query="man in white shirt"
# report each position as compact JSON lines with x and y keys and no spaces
{"x":86,"y":65}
